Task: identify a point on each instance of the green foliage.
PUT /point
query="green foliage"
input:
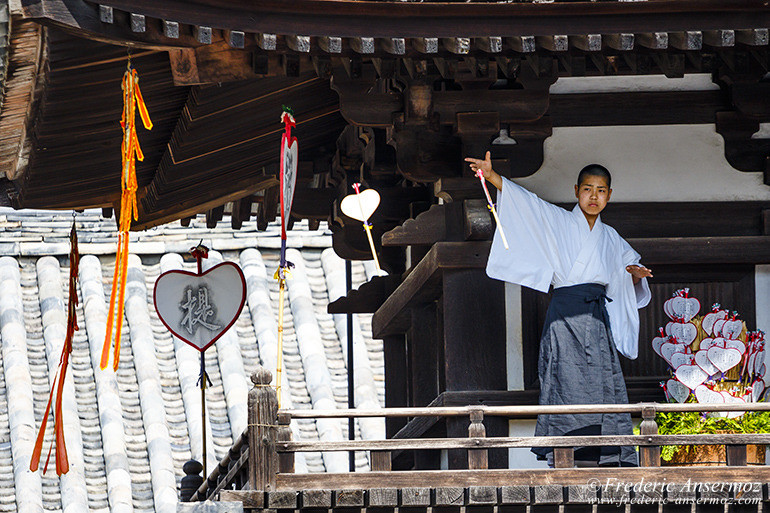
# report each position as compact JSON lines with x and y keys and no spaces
{"x":694,"y":423}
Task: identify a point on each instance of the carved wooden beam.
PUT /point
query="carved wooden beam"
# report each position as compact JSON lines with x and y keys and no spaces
{"x":587,"y":42}
{"x":688,"y":40}
{"x":367,"y":298}
{"x":553,"y":43}
{"x":653,"y":40}
{"x":622,"y":42}
{"x":752,"y":37}
{"x":719,"y":38}
{"x":330,"y":44}
{"x":522,"y":44}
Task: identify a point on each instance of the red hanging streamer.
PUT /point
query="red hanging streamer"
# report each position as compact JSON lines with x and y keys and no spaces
{"x":62,"y":463}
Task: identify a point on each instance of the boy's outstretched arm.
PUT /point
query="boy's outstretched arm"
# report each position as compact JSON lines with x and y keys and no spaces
{"x":486,"y":168}
{"x":638,"y":272}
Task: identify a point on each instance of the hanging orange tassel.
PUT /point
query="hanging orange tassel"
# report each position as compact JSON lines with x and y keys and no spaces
{"x":131,"y":151}
{"x":62,"y":463}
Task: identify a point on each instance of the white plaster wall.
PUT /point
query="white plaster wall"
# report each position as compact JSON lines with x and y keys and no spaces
{"x":648,"y":163}
{"x":690,"y":82}
{"x":522,"y":457}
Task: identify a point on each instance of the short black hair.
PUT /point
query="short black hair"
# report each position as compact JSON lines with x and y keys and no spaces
{"x":595,"y":170}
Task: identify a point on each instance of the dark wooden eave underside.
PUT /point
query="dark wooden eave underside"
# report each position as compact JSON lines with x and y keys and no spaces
{"x":324,"y":23}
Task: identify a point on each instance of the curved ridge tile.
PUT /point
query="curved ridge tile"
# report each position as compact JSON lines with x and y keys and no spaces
{"x":74,"y":494}
{"x":365,"y":395}
{"x":188,"y":367}
{"x":19,"y":385}
{"x":150,"y":394}
{"x":107,"y":396}
{"x":266,"y":329}
{"x":314,"y":362}
{"x":171,"y":389}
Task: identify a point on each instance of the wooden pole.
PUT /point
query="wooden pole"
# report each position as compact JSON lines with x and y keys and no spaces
{"x":279,"y":364}
{"x":203,"y":410}
{"x":263,"y":419}
{"x":351,"y":370}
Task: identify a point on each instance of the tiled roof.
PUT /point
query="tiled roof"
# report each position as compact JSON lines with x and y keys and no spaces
{"x":129,"y":432}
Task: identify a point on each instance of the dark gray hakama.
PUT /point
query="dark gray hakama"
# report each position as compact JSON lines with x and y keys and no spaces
{"x":578,"y":364}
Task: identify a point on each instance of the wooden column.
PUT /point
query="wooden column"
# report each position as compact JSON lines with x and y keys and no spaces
{"x":474,"y":349}
{"x":263,"y":418}
{"x":423,"y":355}
{"x":396,"y":374}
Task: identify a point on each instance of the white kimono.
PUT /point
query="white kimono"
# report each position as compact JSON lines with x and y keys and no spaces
{"x":553,"y":246}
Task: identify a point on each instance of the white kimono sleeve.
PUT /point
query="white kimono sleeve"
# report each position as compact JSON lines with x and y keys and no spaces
{"x":530,"y":225}
{"x":627,"y":299}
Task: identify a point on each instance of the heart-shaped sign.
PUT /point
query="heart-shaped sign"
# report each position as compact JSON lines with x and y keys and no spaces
{"x":668,"y":349}
{"x":678,"y":359}
{"x":717,"y":330}
{"x":732,"y":329}
{"x":684,"y":308}
{"x":724,"y":359}
{"x":690,"y":375}
{"x":289,"y":161}
{"x":757,"y":389}
{"x":684,"y":332}
{"x":657,"y":342}
{"x":702,"y":359}
{"x":706,"y":343}
{"x":707,"y":396}
{"x":729,"y":398}
{"x":735,"y":344}
{"x":759,"y":361}
{"x":709,"y":319}
{"x":199,"y":309}
{"x":677,"y":391}
{"x":360,"y":206}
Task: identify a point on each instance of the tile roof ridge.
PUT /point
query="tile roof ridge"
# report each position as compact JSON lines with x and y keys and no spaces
{"x":19,"y":388}
{"x":107,"y":397}
{"x":74,"y":491}
{"x":162,"y":472}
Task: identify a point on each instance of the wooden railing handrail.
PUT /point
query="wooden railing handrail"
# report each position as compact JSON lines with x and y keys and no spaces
{"x":524,"y":410}
{"x":523,"y":441}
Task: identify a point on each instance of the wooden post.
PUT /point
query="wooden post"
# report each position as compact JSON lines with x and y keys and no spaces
{"x":478,"y":459}
{"x":563,"y":457}
{"x":285,"y":459}
{"x":380,"y":461}
{"x":736,"y":455}
{"x":263,"y":413}
{"x":649,"y":456}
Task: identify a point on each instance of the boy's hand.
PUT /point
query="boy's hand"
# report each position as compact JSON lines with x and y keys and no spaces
{"x":638,"y":272}
{"x":485,"y":166}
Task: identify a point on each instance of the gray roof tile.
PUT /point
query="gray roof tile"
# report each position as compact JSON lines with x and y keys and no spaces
{"x":134,"y":446}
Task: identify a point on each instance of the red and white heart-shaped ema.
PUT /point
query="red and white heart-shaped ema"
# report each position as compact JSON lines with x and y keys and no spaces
{"x":199,"y":309}
{"x":723,"y":358}
{"x":690,"y":375}
{"x":682,"y":308}
{"x":709,"y":319}
{"x":683,"y":332}
{"x":677,"y":391}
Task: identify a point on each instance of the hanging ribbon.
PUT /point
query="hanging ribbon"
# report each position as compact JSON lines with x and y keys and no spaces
{"x":131,"y":151}
{"x":57,"y":385}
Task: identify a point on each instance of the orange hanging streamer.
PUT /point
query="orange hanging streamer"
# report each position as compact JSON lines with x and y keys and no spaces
{"x":62,"y":463}
{"x":131,"y":151}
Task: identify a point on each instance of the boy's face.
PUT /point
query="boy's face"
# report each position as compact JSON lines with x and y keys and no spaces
{"x":592,"y":194}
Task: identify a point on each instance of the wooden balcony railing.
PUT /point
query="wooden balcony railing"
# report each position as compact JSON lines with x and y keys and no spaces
{"x":266,"y":451}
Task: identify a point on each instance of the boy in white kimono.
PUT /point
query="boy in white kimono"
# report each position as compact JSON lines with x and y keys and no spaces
{"x":598,"y":287}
